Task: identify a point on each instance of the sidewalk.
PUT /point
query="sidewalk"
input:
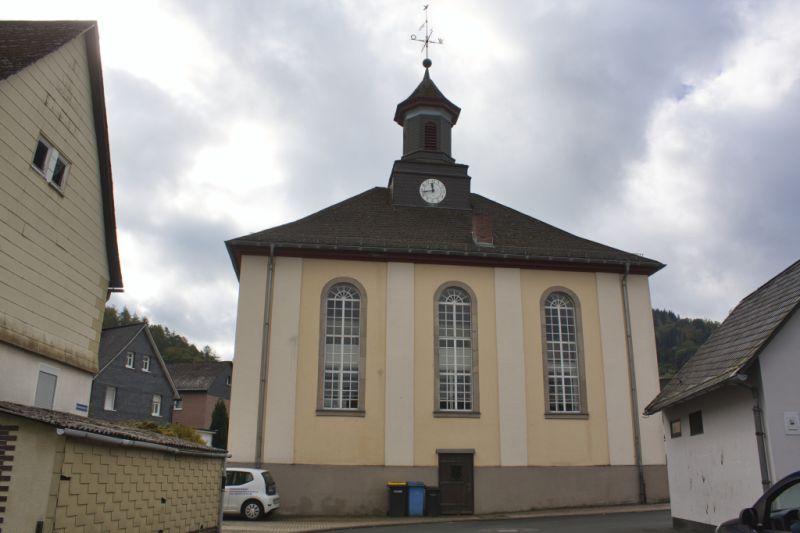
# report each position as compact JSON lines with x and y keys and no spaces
{"x":292,"y":524}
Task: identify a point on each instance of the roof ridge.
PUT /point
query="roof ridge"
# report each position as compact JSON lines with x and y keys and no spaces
{"x":142,"y":323}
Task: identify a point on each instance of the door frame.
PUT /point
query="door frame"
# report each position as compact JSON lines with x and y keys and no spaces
{"x":468,"y":506}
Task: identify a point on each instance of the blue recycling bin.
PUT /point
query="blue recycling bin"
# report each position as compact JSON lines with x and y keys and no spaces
{"x":416,"y":498}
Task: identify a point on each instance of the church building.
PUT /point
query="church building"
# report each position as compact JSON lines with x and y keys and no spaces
{"x":421,"y":332}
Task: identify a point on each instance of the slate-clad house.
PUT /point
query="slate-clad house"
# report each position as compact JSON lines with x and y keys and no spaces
{"x":200,"y":386}
{"x":731,"y":413}
{"x":423,"y":332}
{"x":58,"y":244}
{"x":133,"y":382}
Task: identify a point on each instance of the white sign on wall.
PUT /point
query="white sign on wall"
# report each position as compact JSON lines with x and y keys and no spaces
{"x":791,"y":422}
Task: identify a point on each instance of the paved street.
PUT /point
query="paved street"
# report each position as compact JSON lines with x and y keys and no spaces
{"x":614,"y":519}
{"x":650,"y":522}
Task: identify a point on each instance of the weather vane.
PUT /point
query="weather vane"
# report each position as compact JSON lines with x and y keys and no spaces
{"x":427,"y":40}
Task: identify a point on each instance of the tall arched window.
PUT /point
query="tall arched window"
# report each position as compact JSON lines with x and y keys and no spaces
{"x":431,"y":137}
{"x":456,"y":361}
{"x":342,"y":349}
{"x":563,"y":354}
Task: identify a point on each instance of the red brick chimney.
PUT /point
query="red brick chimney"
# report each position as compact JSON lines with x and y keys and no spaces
{"x":482,"y":229}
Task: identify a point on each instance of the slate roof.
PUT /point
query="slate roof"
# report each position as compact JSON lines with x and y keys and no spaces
{"x":369,"y":223}
{"x":113,"y":342}
{"x":22,"y":43}
{"x":100,"y":427}
{"x":737,"y":342}
{"x":426,"y":94}
{"x":197,"y":376}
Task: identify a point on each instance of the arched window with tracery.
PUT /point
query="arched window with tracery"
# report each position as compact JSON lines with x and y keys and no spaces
{"x":563,"y":362}
{"x":342,"y":348}
{"x":456,"y":358}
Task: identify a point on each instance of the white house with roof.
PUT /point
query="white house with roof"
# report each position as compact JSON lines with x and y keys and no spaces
{"x":731,"y":413}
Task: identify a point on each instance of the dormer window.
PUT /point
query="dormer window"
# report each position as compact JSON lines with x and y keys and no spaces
{"x":48,"y":162}
{"x":431,"y":136}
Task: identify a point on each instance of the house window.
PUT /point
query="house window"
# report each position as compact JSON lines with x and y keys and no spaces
{"x":564,"y":387}
{"x":45,"y":389}
{"x":675,"y":428}
{"x":130,"y":360}
{"x":156,"y":410}
{"x":50,"y":164}
{"x":146,"y":363}
{"x":111,"y":399}
{"x":696,"y":423}
{"x":431,"y":137}
{"x":342,"y":351}
{"x":178,"y":404}
{"x":456,"y":360}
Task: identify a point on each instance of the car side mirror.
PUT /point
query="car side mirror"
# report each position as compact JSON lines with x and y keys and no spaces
{"x":749,"y":517}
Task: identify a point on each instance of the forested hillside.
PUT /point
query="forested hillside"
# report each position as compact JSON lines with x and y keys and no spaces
{"x":174,"y":348}
{"x":677,"y":339}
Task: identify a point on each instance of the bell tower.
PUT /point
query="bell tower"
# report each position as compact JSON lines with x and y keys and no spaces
{"x":427,"y":175}
{"x":427,"y":118}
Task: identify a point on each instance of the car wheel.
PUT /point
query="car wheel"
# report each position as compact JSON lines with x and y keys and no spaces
{"x":252,"y":510}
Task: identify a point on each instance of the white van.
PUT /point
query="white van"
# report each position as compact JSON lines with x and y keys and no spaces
{"x":250,"y":492}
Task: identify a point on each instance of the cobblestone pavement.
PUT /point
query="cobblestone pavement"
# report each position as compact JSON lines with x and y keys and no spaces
{"x":292,"y":524}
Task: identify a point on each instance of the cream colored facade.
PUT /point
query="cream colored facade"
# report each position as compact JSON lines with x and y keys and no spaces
{"x":53,"y":258}
{"x":512,"y":436}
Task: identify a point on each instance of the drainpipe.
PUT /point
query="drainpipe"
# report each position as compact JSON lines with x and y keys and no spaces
{"x":637,"y":435}
{"x":761,"y":435}
{"x":259,"y":455}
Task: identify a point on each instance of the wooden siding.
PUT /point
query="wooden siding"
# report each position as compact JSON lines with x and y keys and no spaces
{"x":53,"y":263}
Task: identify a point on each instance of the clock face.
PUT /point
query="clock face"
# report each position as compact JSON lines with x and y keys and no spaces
{"x":432,"y":191}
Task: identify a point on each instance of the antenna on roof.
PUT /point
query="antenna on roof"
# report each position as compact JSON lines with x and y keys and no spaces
{"x":427,"y":40}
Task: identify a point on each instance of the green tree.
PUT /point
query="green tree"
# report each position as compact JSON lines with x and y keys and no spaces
{"x":677,"y":339}
{"x":219,"y":423}
{"x":174,"y":348}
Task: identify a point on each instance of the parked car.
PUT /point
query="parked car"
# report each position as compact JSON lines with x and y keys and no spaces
{"x":777,"y":510}
{"x":251,"y":492}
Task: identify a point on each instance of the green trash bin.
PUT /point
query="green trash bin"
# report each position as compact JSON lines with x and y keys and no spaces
{"x":398,"y":498}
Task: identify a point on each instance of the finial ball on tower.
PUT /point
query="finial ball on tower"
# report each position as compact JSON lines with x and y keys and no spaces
{"x":427,"y":63}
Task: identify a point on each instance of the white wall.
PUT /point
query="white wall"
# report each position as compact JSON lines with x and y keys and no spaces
{"x":714,"y":475}
{"x":20,"y":372}
{"x":779,"y":363}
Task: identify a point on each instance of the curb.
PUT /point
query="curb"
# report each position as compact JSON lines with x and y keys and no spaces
{"x":297,"y":524}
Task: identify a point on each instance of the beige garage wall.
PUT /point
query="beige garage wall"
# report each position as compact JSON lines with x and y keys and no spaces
{"x":341,"y":440}
{"x":564,"y":442}
{"x":483,"y":433}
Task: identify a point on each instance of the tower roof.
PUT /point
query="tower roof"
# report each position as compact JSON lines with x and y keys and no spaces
{"x":426,"y":94}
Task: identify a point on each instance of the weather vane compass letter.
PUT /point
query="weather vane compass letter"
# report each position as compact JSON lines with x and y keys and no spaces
{"x":427,"y":40}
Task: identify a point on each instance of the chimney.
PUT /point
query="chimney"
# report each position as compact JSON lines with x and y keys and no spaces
{"x":482,"y":229}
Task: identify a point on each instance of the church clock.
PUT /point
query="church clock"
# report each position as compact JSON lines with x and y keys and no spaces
{"x":432,"y":191}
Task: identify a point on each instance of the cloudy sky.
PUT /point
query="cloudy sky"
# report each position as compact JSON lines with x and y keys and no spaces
{"x":668,"y":128}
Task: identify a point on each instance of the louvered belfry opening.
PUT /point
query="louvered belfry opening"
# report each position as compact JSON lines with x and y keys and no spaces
{"x":431,"y":137}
